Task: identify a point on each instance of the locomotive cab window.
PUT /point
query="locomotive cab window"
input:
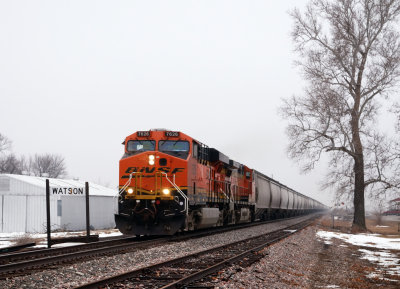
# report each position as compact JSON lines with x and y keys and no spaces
{"x":174,"y":148}
{"x":138,"y":146}
{"x":195,"y":150}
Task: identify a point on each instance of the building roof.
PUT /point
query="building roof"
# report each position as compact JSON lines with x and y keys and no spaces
{"x":94,"y":189}
{"x":392,"y":212}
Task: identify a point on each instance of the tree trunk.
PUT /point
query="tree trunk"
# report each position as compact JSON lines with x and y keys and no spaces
{"x":359,"y":185}
{"x":359,"y":208}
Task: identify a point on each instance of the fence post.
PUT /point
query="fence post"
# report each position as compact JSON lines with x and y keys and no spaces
{"x":87,"y":212}
{"x":48,"y":213}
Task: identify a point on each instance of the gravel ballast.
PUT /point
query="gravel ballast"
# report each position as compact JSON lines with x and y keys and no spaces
{"x":301,"y":261}
{"x":305,"y":261}
{"x":69,"y":276}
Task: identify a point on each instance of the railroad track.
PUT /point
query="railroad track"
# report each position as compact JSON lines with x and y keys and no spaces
{"x":183,"y":272}
{"x":7,"y":258}
{"x":17,"y":264}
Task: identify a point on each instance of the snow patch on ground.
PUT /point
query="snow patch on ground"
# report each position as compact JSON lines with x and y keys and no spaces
{"x":328,"y":286}
{"x":110,"y":234}
{"x":60,"y":245}
{"x":379,"y":276}
{"x":290,"y":231}
{"x":366,"y":240}
{"x":5,"y":244}
{"x":387,"y":261}
{"x":15,"y":235}
{"x":9,"y":239}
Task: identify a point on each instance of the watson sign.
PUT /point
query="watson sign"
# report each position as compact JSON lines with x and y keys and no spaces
{"x":67,"y":191}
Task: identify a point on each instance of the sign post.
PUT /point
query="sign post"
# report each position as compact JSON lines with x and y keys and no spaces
{"x":87,"y":212}
{"x":48,"y":213}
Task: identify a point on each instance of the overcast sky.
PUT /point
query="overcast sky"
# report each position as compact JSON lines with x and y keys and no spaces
{"x":77,"y":77}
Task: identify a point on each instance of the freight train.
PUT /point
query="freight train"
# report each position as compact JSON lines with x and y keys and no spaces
{"x":170,"y":182}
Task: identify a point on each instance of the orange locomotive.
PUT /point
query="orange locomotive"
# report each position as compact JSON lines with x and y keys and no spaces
{"x":170,"y":182}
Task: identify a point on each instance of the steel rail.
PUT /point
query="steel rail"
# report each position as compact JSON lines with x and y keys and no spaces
{"x":23,"y":261}
{"x":10,"y":257}
{"x":195,"y":256}
{"x":19,"y":267}
{"x":222,"y":229}
{"x":7,"y":258}
{"x":215,"y":268}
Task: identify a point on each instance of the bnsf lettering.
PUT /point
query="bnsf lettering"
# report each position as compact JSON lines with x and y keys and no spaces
{"x":148,"y":170}
{"x":177,"y":170}
{"x":165,"y":169}
{"x":168,"y":170}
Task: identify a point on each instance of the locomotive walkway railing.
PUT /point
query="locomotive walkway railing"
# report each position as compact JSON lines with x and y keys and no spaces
{"x":158,"y":188}
{"x":186,"y":209}
{"x":123,"y":188}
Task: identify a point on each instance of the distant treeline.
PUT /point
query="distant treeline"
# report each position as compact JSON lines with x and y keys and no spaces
{"x":42,"y":165}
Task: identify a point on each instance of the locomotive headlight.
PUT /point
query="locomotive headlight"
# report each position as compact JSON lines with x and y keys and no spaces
{"x":130,"y":191}
{"x":151,"y":160}
{"x":165,"y":191}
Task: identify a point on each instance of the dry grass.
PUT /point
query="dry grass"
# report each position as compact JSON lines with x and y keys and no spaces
{"x":391,"y":229}
{"x":344,"y":226}
{"x":346,"y":263}
{"x":24,"y":239}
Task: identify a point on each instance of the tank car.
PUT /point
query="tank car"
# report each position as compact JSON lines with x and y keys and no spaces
{"x":170,"y":182}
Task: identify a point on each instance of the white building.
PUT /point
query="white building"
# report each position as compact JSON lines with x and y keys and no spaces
{"x":23,"y":204}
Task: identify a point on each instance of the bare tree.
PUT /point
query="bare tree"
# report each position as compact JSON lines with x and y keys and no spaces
{"x":11,"y":164}
{"x":5,"y":143}
{"x":349,"y":54}
{"x":378,"y":211}
{"x":50,"y":164}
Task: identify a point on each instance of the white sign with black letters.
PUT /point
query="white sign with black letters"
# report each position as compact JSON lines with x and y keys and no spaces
{"x":67,"y":191}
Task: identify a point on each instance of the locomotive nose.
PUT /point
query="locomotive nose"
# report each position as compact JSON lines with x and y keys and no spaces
{"x":162,"y":162}
{"x":156,"y":160}
{"x":148,"y":177}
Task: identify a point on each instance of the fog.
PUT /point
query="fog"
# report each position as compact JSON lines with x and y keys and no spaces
{"x":77,"y":77}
